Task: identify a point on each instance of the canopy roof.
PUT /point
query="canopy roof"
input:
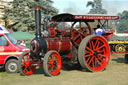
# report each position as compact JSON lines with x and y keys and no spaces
{"x":66,"y":17}
{"x":19,"y":35}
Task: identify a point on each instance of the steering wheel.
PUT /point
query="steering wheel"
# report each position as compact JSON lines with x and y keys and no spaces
{"x":83,"y":30}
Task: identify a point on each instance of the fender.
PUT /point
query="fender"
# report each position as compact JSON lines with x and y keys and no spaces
{"x":11,"y":56}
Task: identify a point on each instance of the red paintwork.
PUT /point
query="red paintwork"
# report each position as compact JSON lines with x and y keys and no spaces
{"x":89,"y":17}
{"x":52,"y":32}
{"x":108,"y":34}
{"x":126,"y":31}
{"x":26,"y":66}
{"x":69,"y":55}
{"x":35,"y":44}
{"x":120,"y":52}
{"x":66,"y":32}
{"x":60,"y":45}
{"x":54,"y":58}
{"x":78,"y":35}
{"x":10,"y":50}
{"x":96,"y":53}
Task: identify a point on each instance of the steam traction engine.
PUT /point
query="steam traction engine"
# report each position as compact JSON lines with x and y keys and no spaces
{"x":72,"y":48}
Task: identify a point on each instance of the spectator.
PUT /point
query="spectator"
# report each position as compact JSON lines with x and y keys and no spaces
{"x":22,"y":43}
{"x":99,"y":30}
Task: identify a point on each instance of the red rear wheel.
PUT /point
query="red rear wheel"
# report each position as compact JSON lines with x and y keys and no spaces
{"x":52,"y":63}
{"x":94,"y":53}
{"x":25,"y":64}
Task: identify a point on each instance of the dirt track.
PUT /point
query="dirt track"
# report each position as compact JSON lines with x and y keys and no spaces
{"x":115,"y":74}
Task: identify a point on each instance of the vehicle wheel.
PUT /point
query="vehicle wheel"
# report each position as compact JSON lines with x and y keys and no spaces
{"x":94,"y":53}
{"x":83,"y":31}
{"x":120,"y":48}
{"x":12,"y":66}
{"x":126,"y":58}
{"x":25,"y":64}
{"x":52,"y":63}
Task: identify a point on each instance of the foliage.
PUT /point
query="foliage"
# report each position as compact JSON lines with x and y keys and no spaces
{"x":123,"y":22}
{"x":21,"y":13}
{"x":96,"y":7}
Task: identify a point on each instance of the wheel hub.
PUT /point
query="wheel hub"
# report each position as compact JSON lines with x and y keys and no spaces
{"x":12,"y":67}
{"x":54,"y":63}
{"x":26,"y":63}
{"x":95,"y":53}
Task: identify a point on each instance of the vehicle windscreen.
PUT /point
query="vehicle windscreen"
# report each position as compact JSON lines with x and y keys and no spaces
{"x":11,"y":38}
{"x":64,"y":25}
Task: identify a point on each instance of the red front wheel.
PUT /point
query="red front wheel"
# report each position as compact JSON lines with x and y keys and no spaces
{"x":94,"y":53}
{"x":52,"y":63}
{"x":25,"y":65}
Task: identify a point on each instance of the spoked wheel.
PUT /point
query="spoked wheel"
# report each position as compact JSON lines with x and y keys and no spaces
{"x":83,"y":30}
{"x":52,"y":63}
{"x":25,"y":64}
{"x":94,"y":53}
{"x":120,"y":48}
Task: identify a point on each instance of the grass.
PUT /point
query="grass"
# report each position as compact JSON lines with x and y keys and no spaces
{"x":115,"y":74}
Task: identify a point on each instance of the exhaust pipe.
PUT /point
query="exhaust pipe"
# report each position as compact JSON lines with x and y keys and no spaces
{"x":38,"y":21}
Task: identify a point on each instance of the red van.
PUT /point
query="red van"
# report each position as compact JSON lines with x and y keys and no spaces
{"x":9,"y":51}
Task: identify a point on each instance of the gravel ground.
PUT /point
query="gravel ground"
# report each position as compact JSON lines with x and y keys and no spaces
{"x":115,"y":74}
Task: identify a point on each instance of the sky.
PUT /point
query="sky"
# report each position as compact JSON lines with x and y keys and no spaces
{"x":79,"y":6}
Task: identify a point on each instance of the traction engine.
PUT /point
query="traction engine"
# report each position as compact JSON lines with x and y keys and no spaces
{"x":73,"y":48}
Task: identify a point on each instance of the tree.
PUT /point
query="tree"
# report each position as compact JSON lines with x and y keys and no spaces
{"x":123,"y":22}
{"x":21,"y":13}
{"x":96,"y":7}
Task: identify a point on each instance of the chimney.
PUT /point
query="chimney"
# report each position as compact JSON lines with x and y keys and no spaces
{"x":38,"y":21}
